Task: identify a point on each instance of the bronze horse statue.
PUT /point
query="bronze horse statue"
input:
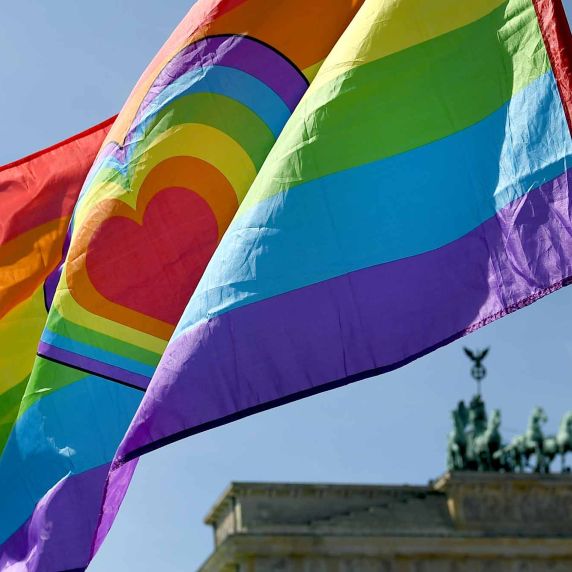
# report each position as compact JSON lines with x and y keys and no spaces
{"x":561,"y":443}
{"x":518,"y":452}
{"x":457,"y":445}
{"x":488,"y":443}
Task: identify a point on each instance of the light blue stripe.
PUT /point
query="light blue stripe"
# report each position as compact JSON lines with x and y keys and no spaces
{"x":96,"y":353}
{"x":71,"y":430}
{"x":387,"y":210}
{"x":230,"y":82}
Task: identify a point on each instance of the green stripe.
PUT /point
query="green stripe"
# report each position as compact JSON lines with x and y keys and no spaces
{"x":112,"y":175}
{"x":9,"y":405}
{"x":217,"y":111}
{"x":408,"y":99}
{"x":59,"y":325}
{"x":47,"y":378}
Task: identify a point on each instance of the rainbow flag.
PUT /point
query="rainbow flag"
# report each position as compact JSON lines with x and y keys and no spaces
{"x":295,"y":196}
{"x":175,"y":166}
{"x":420,"y":190}
{"x":38,"y":194}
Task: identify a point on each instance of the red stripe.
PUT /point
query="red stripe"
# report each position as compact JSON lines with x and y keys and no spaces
{"x":558,"y":41}
{"x":44,"y":186}
{"x":102,"y":125}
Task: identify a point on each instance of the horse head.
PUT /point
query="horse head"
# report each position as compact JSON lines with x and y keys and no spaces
{"x":537,"y":417}
{"x":567,"y":422}
{"x":565,"y":431}
{"x":458,"y":423}
{"x":495,"y":420}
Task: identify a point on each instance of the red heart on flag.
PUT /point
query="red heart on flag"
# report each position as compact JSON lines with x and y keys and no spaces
{"x":153,"y":266}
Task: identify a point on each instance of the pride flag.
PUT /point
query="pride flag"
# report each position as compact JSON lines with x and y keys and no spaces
{"x":37,"y":196}
{"x":420,"y":190}
{"x":167,"y":181}
{"x":295,"y":196}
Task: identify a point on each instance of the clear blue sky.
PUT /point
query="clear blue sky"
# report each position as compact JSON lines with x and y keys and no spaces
{"x":66,"y":65}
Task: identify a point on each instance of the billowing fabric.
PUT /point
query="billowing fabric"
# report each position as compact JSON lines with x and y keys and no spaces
{"x":420,"y":190}
{"x":170,"y":176}
{"x":37,"y":196}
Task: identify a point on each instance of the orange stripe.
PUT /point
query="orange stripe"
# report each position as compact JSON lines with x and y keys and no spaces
{"x":304,"y":31}
{"x":26,"y":261}
{"x":200,"y":177}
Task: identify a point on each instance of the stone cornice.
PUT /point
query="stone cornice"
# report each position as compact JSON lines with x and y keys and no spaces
{"x":304,"y":490}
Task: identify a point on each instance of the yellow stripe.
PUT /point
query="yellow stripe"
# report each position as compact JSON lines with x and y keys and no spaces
{"x":312,"y":71}
{"x":203,"y":142}
{"x":384,"y":27}
{"x":190,"y":140}
{"x":20,"y":331}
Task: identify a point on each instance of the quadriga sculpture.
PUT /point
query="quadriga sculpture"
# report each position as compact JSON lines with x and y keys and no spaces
{"x":475,"y":444}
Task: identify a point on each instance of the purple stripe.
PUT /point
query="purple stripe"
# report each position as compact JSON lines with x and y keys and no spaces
{"x":356,"y":325}
{"x":115,"y":490}
{"x":51,"y":282}
{"x":93,"y":366}
{"x":238,"y":52}
{"x":59,"y":534}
